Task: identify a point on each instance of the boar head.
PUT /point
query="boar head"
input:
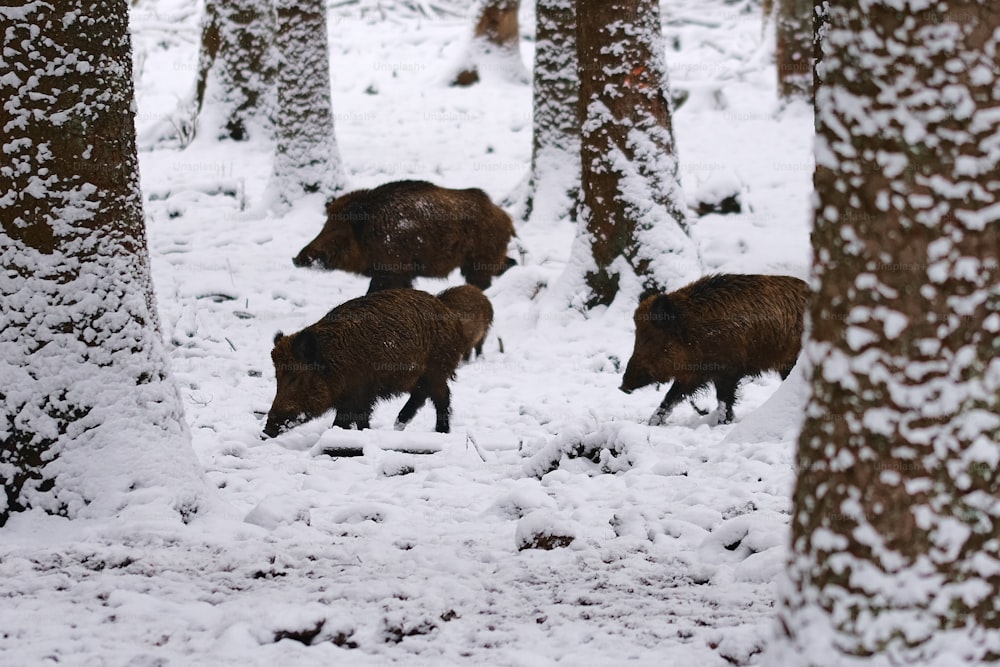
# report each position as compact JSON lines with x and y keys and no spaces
{"x":302,"y":375}
{"x":338,"y":246}
{"x":657,"y":335}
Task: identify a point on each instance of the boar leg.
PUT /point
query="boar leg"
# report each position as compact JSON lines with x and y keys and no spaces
{"x":349,"y":414}
{"x":416,"y":401}
{"x":389,"y":281}
{"x":677,"y":393}
{"x":441,"y":398}
{"x":725,"y":392}
{"x":440,"y":395}
{"x":477,"y":277}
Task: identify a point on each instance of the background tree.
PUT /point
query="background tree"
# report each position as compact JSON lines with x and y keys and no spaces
{"x":496,"y":44}
{"x":794,"y":48}
{"x":553,"y":185}
{"x":235,"y":69}
{"x":90,"y":420}
{"x":306,"y":157}
{"x":633,"y":209}
{"x":895,"y":555}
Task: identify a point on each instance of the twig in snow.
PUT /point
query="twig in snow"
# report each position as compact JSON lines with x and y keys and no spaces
{"x":468,"y":439}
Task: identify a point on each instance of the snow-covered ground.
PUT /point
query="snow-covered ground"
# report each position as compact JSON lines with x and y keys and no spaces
{"x":408,"y":551}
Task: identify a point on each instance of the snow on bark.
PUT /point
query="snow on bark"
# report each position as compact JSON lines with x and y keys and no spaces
{"x":495,"y":48}
{"x":234,"y":91}
{"x":794,"y":48}
{"x":90,"y":421}
{"x":633,"y":210}
{"x":306,"y":156}
{"x":895,"y":556}
{"x":553,"y":185}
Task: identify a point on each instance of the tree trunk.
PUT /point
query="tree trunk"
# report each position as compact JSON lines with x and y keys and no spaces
{"x":895,"y":550}
{"x":235,"y":69}
{"x":633,"y":209}
{"x":553,"y":186}
{"x":89,"y":417}
{"x":496,"y":44}
{"x":794,"y":49}
{"x":306,"y":158}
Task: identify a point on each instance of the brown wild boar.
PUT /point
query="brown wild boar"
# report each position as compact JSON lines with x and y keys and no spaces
{"x":364,"y":350}
{"x":401,"y":230}
{"x":719,"y":329}
{"x":474,"y":313}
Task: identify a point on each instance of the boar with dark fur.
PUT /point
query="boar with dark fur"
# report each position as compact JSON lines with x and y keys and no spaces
{"x":365,"y":350}
{"x":718,"y":330}
{"x":474,"y":313}
{"x":401,"y":230}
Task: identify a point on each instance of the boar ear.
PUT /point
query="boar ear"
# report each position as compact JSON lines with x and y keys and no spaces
{"x":648,"y":292}
{"x":305,"y":348}
{"x":663,"y":313}
{"x":278,"y":336}
{"x":356,"y":214}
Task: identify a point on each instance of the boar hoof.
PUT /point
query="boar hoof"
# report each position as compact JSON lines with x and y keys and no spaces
{"x":658,"y":419}
{"x":399,"y":426}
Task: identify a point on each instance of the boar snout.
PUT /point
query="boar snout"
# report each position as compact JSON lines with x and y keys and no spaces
{"x":635,"y":377}
{"x":277,"y":425}
{"x":303,"y":260}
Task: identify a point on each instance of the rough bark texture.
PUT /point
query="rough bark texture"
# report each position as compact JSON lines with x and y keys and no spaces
{"x":496,"y":44}
{"x":554,"y":183}
{"x":84,"y":382}
{"x":632,"y":208}
{"x":794,"y":48}
{"x":895,"y":549}
{"x":235,"y":72}
{"x":306,"y":157}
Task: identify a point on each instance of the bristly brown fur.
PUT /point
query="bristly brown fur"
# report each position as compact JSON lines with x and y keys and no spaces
{"x":367,"y":349}
{"x":474,"y":313}
{"x":401,"y":230}
{"x":719,"y":329}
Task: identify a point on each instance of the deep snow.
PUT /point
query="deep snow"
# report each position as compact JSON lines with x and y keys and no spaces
{"x":409,"y":551}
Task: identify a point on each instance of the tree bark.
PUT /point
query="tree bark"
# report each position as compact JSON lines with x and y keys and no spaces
{"x":794,"y":49}
{"x":235,"y":68}
{"x":496,"y":44}
{"x":895,"y":556}
{"x":306,"y":157}
{"x":554,"y":182}
{"x":88,"y":411}
{"x":632,"y":209}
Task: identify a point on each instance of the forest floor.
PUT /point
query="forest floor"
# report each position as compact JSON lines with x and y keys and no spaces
{"x":409,"y":552}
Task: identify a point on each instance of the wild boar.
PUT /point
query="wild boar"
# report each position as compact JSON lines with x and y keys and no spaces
{"x":401,"y":230}
{"x":719,"y":329}
{"x":474,"y":313}
{"x":365,"y":350}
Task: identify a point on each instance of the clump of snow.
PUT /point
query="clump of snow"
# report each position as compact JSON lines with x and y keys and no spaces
{"x":719,"y":192}
{"x":543,"y":530}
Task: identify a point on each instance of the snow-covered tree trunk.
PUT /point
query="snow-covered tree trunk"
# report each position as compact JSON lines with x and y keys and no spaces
{"x":306,"y":157}
{"x":794,"y":48}
{"x":495,"y":46}
{"x":553,"y":187}
{"x":234,"y":89}
{"x":633,"y":210}
{"x":90,"y":420}
{"x":896,"y":519}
